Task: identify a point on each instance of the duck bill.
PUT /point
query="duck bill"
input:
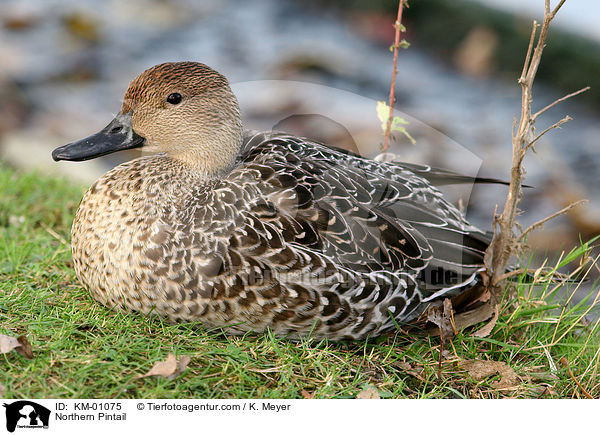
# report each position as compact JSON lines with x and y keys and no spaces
{"x":116,"y":136}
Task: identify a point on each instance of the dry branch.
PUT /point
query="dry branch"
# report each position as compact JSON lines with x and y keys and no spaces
{"x":541,"y":222}
{"x":396,"y":46}
{"x":538,"y":137}
{"x":560,"y":100}
{"x":505,"y":241}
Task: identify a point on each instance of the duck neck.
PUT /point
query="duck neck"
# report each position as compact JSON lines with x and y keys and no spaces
{"x":213,"y":155}
{"x":215,"y":140}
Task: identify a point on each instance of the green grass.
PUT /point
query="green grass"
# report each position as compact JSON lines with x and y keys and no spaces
{"x":83,"y":350}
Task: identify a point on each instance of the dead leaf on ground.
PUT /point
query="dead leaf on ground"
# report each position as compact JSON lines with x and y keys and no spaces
{"x":404,"y":365}
{"x":470,"y":298}
{"x":368,"y":393}
{"x":479,"y":370}
{"x":410,"y":370}
{"x":549,"y":391}
{"x":307,"y":395}
{"x":442,"y":317}
{"x":482,"y":297}
{"x":25,"y":349}
{"x":8,"y":343}
{"x":486,"y":330}
{"x":19,"y":344}
{"x":169,"y":368}
{"x":474,"y":316}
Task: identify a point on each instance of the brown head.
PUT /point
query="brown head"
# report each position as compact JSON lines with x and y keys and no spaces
{"x":183,"y":109}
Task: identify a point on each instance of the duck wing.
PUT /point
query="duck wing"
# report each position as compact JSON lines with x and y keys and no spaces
{"x":302,"y":238}
{"x":367,"y":216}
{"x":443,"y":177}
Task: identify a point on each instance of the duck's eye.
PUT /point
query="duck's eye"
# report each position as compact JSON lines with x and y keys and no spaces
{"x":174,"y":98}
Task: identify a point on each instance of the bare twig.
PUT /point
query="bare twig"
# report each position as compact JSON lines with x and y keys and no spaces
{"x":552,"y":127}
{"x":439,"y":367}
{"x":504,"y":241}
{"x":558,"y":6}
{"x":551,"y":275}
{"x":529,"y":49}
{"x":514,"y":273}
{"x":541,"y":222}
{"x":396,"y":46}
{"x":560,"y":100}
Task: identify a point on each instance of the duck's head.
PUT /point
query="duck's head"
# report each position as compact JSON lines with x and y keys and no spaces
{"x":183,"y":109}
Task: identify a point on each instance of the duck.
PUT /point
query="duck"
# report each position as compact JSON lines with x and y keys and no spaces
{"x":245,"y":231}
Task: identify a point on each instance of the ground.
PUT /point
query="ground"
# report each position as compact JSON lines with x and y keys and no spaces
{"x":540,"y":347}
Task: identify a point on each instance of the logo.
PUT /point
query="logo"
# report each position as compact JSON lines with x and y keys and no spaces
{"x":26,"y":414}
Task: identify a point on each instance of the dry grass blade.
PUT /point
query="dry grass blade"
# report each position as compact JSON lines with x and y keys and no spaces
{"x":565,"y":363}
{"x":595,"y":363}
{"x":593,"y":304}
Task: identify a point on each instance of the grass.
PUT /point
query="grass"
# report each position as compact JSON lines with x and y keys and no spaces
{"x":83,"y":350}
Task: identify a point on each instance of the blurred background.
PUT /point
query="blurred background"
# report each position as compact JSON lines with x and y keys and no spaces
{"x":317,"y":68}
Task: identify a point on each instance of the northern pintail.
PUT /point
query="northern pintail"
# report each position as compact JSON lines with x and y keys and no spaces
{"x":249,"y":232}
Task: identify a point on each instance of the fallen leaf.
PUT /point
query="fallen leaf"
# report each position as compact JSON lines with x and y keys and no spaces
{"x":409,"y":369}
{"x":368,"y":393}
{"x":404,"y":365}
{"x":486,"y":330}
{"x":8,"y":343}
{"x":307,"y":395}
{"x":550,"y":392}
{"x":16,"y":221}
{"x":442,"y":317}
{"x":479,"y":370}
{"x":169,"y":369}
{"x":474,"y":316}
{"x":25,"y":349}
{"x":466,"y":300}
{"x":19,"y":344}
{"x":484,"y":297}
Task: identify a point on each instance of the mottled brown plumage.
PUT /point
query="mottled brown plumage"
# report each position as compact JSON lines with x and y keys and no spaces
{"x":253,"y":231}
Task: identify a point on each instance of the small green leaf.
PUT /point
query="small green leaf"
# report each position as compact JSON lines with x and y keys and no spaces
{"x":404,"y":44}
{"x":405,"y":133}
{"x":383,"y":113}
